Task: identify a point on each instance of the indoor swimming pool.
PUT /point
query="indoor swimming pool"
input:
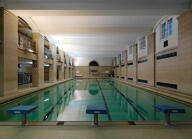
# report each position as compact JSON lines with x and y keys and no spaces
{"x":68,"y":102}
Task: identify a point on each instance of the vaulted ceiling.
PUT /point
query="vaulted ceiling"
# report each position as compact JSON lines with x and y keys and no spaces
{"x":94,"y":28}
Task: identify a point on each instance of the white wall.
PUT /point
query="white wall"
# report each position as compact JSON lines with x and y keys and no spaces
{"x":172,"y":40}
{"x":81,"y":61}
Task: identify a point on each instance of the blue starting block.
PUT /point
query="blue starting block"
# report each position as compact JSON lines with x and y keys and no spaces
{"x":96,"y":110}
{"x":167,"y":110}
{"x":23,"y":110}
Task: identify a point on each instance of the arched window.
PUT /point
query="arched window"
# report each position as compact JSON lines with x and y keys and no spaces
{"x":93,"y":63}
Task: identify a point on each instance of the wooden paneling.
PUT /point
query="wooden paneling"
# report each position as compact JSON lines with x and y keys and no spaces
{"x":8,"y":52}
{"x":26,"y":55}
{"x":66,"y":72}
{"x":61,"y":72}
{"x":185,"y":52}
{"x":53,"y":67}
{"x":174,"y":70}
{"x":84,"y":71}
{"x":131,"y":72}
{"x":119,"y":68}
{"x":39,"y":68}
{"x":1,"y":51}
{"x":118,"y":71}
{"x":166,"y":69}
{"x":126,"y":71}
{"x":146,"y":69}
{"x":132,"y":69}
{"x":115,"y":71}
{"x":123,"y":71}
{"x":46,"y":74}
{"x":48,"y":61}
{"x":104,"y":69}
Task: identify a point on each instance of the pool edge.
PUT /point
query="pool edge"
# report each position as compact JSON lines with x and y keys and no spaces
{"x":25,"y":92}
{"x":90,"y":123}
{"x":163,"y":92}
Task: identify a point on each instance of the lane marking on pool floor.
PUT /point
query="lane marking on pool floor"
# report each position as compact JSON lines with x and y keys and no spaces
{"x":52,"y":108}
{"x":128,"y":101}
{"x":108,"y":113}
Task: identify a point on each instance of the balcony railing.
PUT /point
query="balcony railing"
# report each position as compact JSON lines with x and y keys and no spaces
{"x":25,"y":36}
{"x":25,"y":43}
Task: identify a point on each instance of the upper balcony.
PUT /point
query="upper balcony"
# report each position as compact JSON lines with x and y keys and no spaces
{"x":47,"y":50}
{"x":64,"y":60}
{"x":70,"y":62}
{"x":58,"y":57}
{"x":25,"y":37}
{"x":47,"y":53}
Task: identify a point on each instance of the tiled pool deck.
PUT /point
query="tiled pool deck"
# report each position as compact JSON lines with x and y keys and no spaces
{"x":89,"y":132}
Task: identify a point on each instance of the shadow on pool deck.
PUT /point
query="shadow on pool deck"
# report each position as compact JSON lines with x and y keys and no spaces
{"x":89,"y":132}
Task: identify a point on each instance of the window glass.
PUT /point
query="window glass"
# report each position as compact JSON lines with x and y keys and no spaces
{"x":117,"y":60}
{"x":142,"y":43}
{"x":170,"y":27}
{"x":163,"y":30}
{"x":93,"y":63}
{"x":131,"y":50}
{"x":122,"y":57}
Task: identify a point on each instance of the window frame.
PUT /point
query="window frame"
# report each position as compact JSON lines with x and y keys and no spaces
{"x":170,"y":27}
{"x":167,"y":28}
{"x":122,"y":57}
{"x":163,"y":30}
{"x":142,"y":43}
{"x":131,"y":48}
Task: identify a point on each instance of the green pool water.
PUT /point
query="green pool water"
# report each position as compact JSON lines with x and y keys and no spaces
{"x":68,"y":102}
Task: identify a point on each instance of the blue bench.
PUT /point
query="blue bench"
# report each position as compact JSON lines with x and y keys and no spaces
{"x":96,"y":110}
{"x":23,"y":110}
{"x":167,"y":110}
